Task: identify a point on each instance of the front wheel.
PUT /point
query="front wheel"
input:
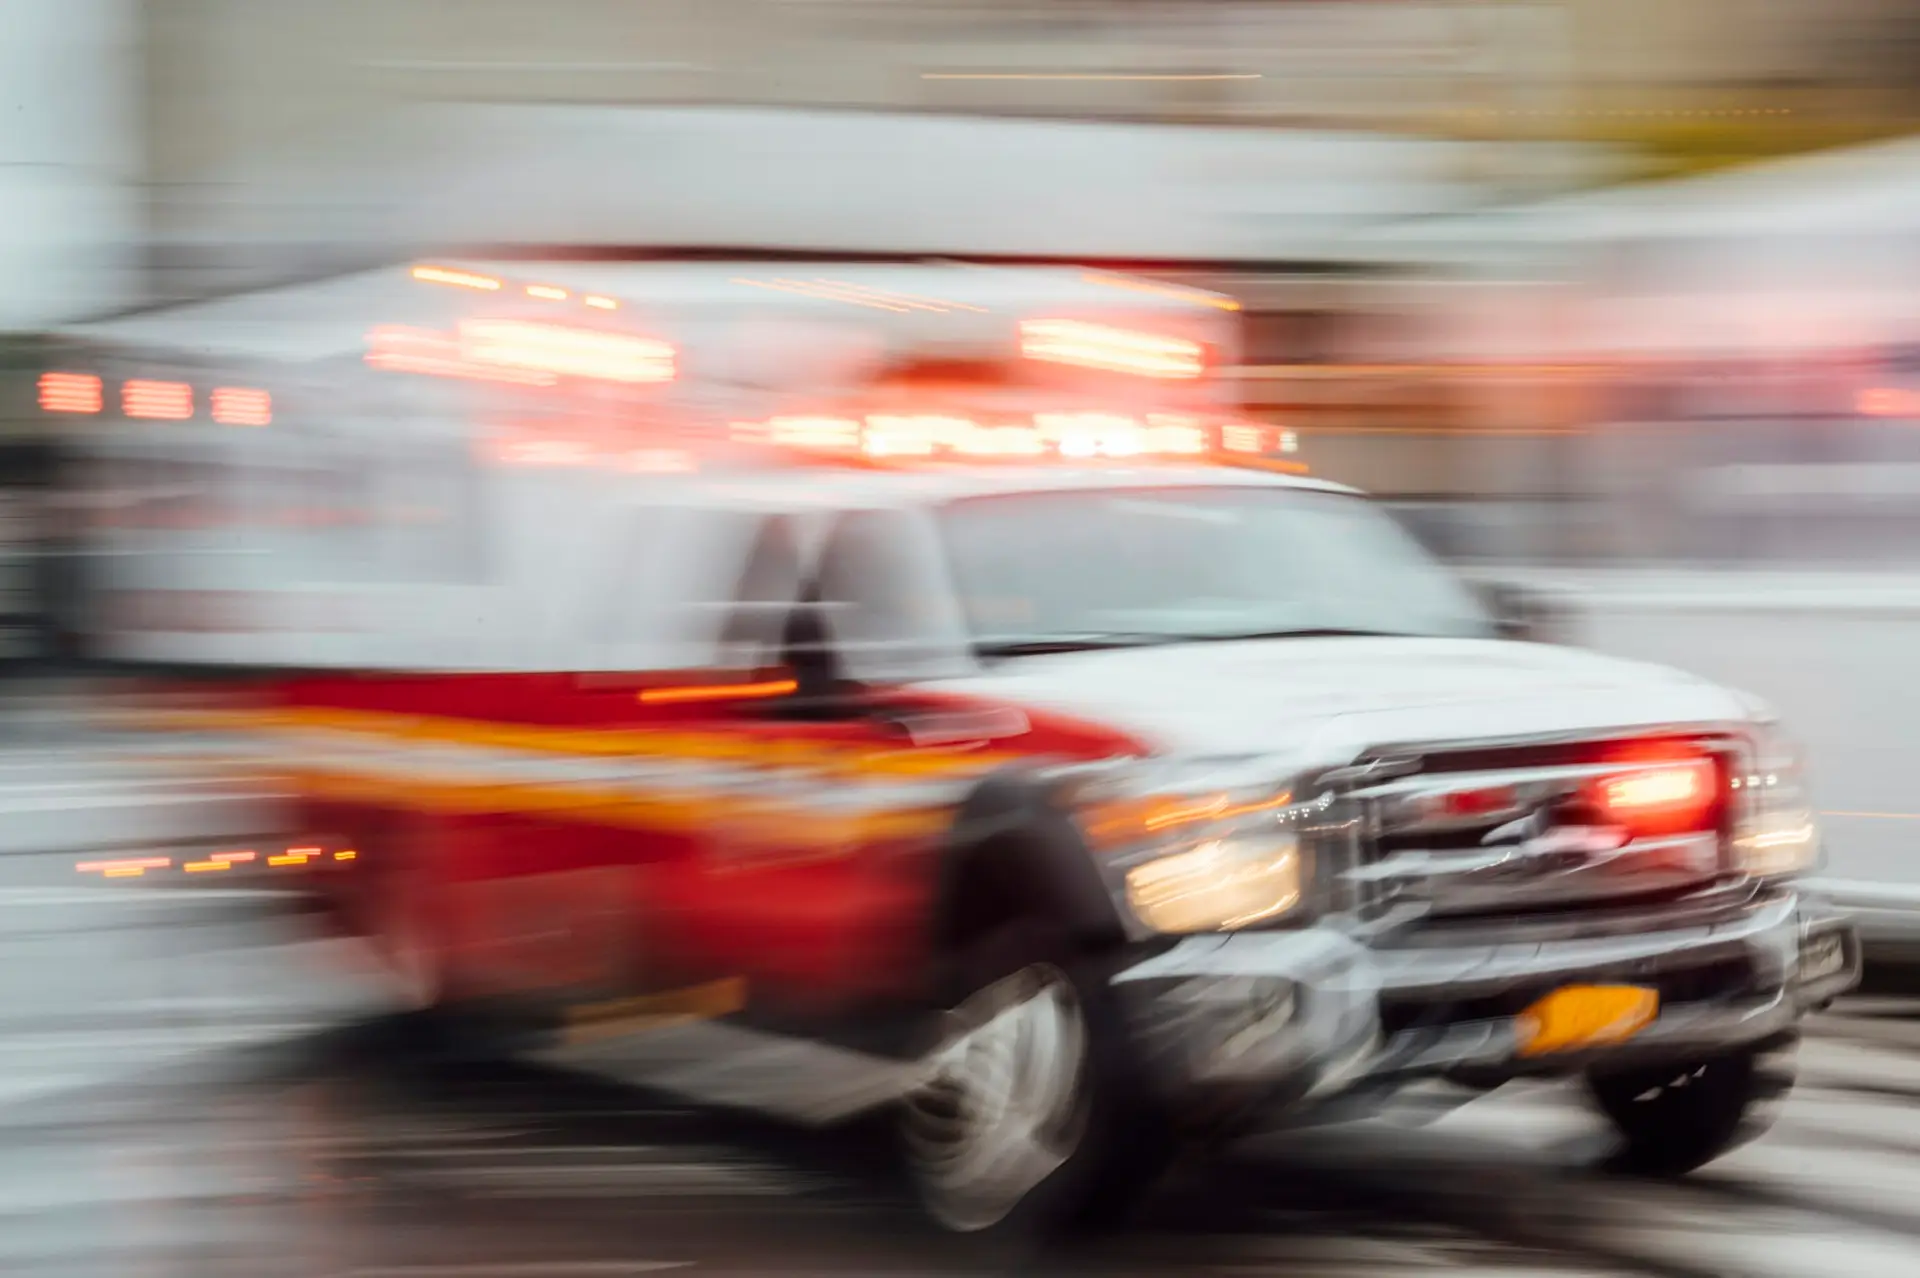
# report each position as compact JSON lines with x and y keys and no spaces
{"x":1029,"y":1117}
{"x":1674,"y":1119}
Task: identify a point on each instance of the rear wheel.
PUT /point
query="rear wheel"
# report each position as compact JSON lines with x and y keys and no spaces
{"x":1674,"y":1119}
{"x":1029,"y":1118}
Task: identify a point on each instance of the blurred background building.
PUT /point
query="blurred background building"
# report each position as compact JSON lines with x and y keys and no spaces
{"x":1410,"y":197}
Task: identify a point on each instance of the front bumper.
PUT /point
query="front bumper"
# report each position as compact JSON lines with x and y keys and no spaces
{"x":1262,"y":1022}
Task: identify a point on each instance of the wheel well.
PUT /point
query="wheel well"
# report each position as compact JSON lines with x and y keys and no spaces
{"x":985,"y":895}
{"x":1012,"y":878}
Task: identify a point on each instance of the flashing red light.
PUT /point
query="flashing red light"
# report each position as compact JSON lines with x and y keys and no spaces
{"x":1114,"y":350}
{"x":1473,"y":803}
{"x":567,"y":351}
{"x":400,"y":349}
{"x":456,"y":278}
{"x":157,"y":401}
{"x":1082,"y":436}
{"x":70,"y":393}
{"x":242,"y":406}
{"x":1656,"y":797}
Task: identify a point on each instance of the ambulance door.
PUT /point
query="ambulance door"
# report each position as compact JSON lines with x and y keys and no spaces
{"x":819,"y":895}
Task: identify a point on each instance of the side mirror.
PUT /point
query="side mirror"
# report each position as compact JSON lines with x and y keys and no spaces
{"x":1527,"y":614}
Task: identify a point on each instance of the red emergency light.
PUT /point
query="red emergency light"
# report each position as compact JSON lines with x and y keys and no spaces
{"x":1062,"y":436}
{"x":522,"y":352}
{"x":1660,"y":796}
{"x":566,"y":350}
{"x":1113,"y":350}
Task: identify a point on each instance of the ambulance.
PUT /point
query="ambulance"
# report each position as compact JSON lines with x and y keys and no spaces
{"x":956,"y":694}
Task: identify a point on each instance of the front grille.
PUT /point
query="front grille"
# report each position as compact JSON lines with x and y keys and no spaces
{"x":1490,"y":831}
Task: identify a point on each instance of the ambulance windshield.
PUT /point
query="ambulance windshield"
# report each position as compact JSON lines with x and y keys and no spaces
{"x":1040,"y":571}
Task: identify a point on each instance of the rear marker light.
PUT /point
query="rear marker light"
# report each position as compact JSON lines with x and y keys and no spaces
{"x":70,"y":393}
{"x":239,"y":406}
{"x":157,"y":401}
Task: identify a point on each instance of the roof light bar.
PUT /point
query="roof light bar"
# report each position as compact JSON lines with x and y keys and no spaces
{"x":1114,"y":350}
{"x":569,"y":352}
{"x":1071,"y":436}
{"x":456,"y":278}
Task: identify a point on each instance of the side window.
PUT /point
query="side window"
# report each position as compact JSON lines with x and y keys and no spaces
{"x":886,"y":604}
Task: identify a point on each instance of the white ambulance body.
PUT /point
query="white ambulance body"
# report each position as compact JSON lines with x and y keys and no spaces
{"x":413,"y":467}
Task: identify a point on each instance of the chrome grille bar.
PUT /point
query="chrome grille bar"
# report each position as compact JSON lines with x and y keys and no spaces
{"x":1492,"y":838}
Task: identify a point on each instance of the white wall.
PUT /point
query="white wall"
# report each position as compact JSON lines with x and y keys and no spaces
{"x":69,"y":216}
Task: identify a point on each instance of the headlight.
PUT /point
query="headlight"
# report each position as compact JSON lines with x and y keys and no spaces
{"x":1186,"y":856}
{"x":1220,"y":885}
{"x":1777,"y":834}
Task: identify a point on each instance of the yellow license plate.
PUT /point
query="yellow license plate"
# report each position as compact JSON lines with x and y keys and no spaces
{"x":1582,"y":1016}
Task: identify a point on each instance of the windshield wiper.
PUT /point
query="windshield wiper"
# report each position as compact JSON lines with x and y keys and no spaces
{"x":1091,"y":641}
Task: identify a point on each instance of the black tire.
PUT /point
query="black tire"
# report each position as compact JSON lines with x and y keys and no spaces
{"x":1111,"y":1142}
{"x":1673,"y":1119}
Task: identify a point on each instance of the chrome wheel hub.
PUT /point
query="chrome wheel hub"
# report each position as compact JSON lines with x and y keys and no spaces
{"x":1000,"y":1105}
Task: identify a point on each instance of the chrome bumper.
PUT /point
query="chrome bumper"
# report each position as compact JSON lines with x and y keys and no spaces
{"x":1266,"y":1020}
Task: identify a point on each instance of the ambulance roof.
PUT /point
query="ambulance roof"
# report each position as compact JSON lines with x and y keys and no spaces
{"x":836,"y":489}
{"x":329,"y":319}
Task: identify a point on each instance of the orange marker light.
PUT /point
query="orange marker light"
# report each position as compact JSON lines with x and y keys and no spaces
{"x":718,"y":692}
{"x":346,"y":854}
{"x":287,"y":858}
{"x":240,"y":406}
{"x":458,"y":279}
{"x":157,"y":401}
{"x":70,"y":393}
{"x":203,"y":867}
